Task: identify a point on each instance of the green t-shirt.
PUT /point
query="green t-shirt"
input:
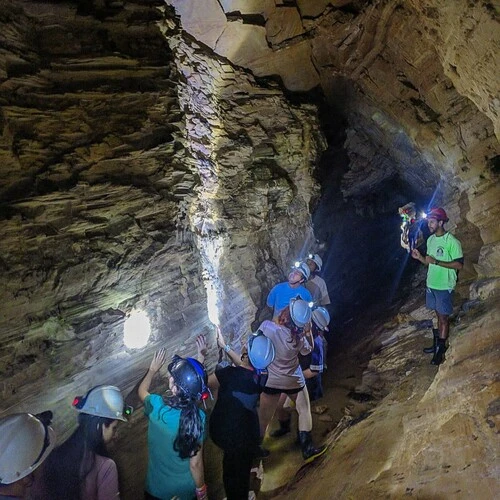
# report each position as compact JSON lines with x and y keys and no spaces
{"x":168,"y":475}
{"x":445,"y":248}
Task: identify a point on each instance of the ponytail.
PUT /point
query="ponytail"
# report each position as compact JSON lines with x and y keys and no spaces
{"x":190,"y":434}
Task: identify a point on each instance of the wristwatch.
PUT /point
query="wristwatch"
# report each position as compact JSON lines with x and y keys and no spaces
{"x":437,"y":262}
{"x":227,"y":347}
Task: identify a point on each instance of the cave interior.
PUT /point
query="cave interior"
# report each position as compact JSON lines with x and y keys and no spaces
{"x":176,"y":159}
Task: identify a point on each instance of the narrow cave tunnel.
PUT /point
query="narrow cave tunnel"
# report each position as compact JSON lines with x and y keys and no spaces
{"x":169,"y":160}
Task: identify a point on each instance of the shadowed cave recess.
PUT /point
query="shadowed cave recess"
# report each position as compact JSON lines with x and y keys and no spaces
{"x":175,"y":158}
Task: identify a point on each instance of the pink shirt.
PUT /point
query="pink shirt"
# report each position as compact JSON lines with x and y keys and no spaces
{"x":101,"y":482}
{"x":285,"y":371}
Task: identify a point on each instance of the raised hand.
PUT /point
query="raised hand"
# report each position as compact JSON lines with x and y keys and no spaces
{"x":201,"y":345}
{"x":158,"y":360}
{"x":220,"y":339}
{"x":416,"y":254}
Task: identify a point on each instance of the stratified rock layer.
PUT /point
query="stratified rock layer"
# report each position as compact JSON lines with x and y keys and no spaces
{"x":143,"y":167}
{"x":131,"y":180}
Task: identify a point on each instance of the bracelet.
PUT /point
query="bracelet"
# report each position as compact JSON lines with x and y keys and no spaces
{"x":437,"y":262}
{"x":201,"y":493}
{"x":227,"y":347}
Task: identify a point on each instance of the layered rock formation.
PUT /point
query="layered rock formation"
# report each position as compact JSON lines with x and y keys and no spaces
{"x":400,"y":73}
{"x":167,"y":156}
{"x":134,"y":176}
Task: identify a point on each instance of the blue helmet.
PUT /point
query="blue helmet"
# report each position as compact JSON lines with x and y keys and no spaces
{"x":190,"y":376}
{"x":321,"y":318}
{"x":261,"y":351}
{"x":300,"y":312}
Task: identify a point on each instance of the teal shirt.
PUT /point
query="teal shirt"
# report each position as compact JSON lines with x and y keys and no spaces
{"x":168,"y":475}
{"x":445,"y":248}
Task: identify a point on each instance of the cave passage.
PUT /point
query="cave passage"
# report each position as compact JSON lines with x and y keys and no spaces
{"x":164,"y":163}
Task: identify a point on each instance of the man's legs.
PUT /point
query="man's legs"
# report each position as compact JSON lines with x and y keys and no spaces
{"x":443,"y":325}
{"x":441,"y":301}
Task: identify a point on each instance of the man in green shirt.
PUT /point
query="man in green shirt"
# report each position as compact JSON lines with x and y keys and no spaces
{"x":444,"y":258}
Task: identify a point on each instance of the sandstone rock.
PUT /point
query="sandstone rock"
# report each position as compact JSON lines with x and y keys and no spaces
{"x":319,"y":409}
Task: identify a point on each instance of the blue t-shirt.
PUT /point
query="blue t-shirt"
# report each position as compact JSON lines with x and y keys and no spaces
{"x":168,"y":474}
{"x":281,"y":294}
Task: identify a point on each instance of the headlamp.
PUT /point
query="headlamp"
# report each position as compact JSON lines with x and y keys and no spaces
{"x":311,"y":304}
{"x":128,"y":410}
{"x":78,"y":402}
{"x":310,"y":256}
{"x":296,"y":264}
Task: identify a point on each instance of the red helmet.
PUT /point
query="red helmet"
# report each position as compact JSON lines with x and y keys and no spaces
{"x":438,"y":214}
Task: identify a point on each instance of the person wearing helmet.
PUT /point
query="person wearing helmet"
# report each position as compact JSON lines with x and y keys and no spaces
{"x":80,"y":468}
{"x":25,"y":443}
{"x":176,"y":430}
{"x":316,"y":284}
{"x":444,"y":259}
{"x":312,"y":368}
{"x":280,"y":295}
{"x":234,"y":422}
{"x":313,"y":364}
{"x":291,"y":335}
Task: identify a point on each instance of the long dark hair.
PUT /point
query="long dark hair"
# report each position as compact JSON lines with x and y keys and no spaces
{"x":190,"y":435}
{"x":69,"y":464}
{"x":285,"y":319}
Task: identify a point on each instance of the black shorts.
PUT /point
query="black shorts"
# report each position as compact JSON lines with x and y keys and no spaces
{"x":271,"y":390}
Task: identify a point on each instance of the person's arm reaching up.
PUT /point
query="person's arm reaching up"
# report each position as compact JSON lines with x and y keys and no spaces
{"x":157,"y":362}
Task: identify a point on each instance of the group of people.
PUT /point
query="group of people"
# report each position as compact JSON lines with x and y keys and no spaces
{"x":282,"y":361}
{"x":248,"y":392}
{"x":31,"y":466}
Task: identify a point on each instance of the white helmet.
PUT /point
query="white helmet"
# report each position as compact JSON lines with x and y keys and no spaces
{"x":321,"y":318}
{"x":303,"y":269}
{"x":25,"y":442}
{"x":300,"y":312}
{"x":261,"y":351}
{"x":103,"y":401}
{"x":316,"y":259}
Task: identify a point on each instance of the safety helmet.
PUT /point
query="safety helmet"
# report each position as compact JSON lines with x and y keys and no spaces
{"x":190,"y":376}
{"x":438,"y":214}
{"x":103,"y":401}
{"x":25,"y":442}
{"x":321,"y":318}
{"x":316,"y":259}
{"x":261,"y":351}
{"x":300,"y":312}
{"x":303,"y":269}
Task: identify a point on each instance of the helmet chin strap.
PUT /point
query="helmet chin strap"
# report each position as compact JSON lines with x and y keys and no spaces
{"x":295,"y":282}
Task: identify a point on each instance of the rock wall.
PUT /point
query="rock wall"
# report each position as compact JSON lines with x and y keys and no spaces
{"x":416,"y":82}
{"x":144,"y":166}
{"x":137,"y":172}
{"x":254,"y":154}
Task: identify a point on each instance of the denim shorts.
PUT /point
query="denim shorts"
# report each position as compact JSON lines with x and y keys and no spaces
{"x":439,"y":300}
